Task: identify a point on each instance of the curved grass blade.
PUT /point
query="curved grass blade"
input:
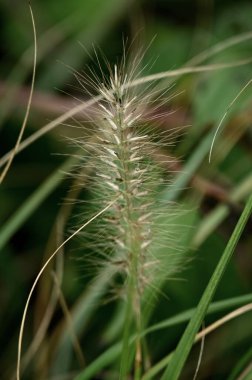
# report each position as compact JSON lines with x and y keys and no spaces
{"x":81,"y":107}
{"x":21,"y":331}
{"x":27,"y":112}
{"x":112,"y":353}
{"x":178,"y":359}
{"x":47,"y":42}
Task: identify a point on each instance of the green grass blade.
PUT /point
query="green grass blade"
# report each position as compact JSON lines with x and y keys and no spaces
{"x":178,"y":359}
{"x":242,"y":363}
{"x":102,"y":361}
{"x":31,"y":204}
{"x":112,"y":353}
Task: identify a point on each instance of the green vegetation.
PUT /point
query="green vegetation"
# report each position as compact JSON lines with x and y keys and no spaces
{"x":131,"y":312}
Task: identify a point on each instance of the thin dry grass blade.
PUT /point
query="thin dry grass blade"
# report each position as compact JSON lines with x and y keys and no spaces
{"x":20,"y":339}
{"x":16,"y":148}
{"x":83,"y":106}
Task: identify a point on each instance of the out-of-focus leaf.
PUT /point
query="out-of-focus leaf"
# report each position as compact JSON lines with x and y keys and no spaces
{"x":31,"y":204}
{"x":98,"y":18}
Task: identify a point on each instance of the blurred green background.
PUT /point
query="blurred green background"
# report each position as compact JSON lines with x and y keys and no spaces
{"x":35,"y":188}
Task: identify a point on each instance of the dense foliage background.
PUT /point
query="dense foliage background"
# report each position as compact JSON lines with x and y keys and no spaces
{"x":215,"y":193}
